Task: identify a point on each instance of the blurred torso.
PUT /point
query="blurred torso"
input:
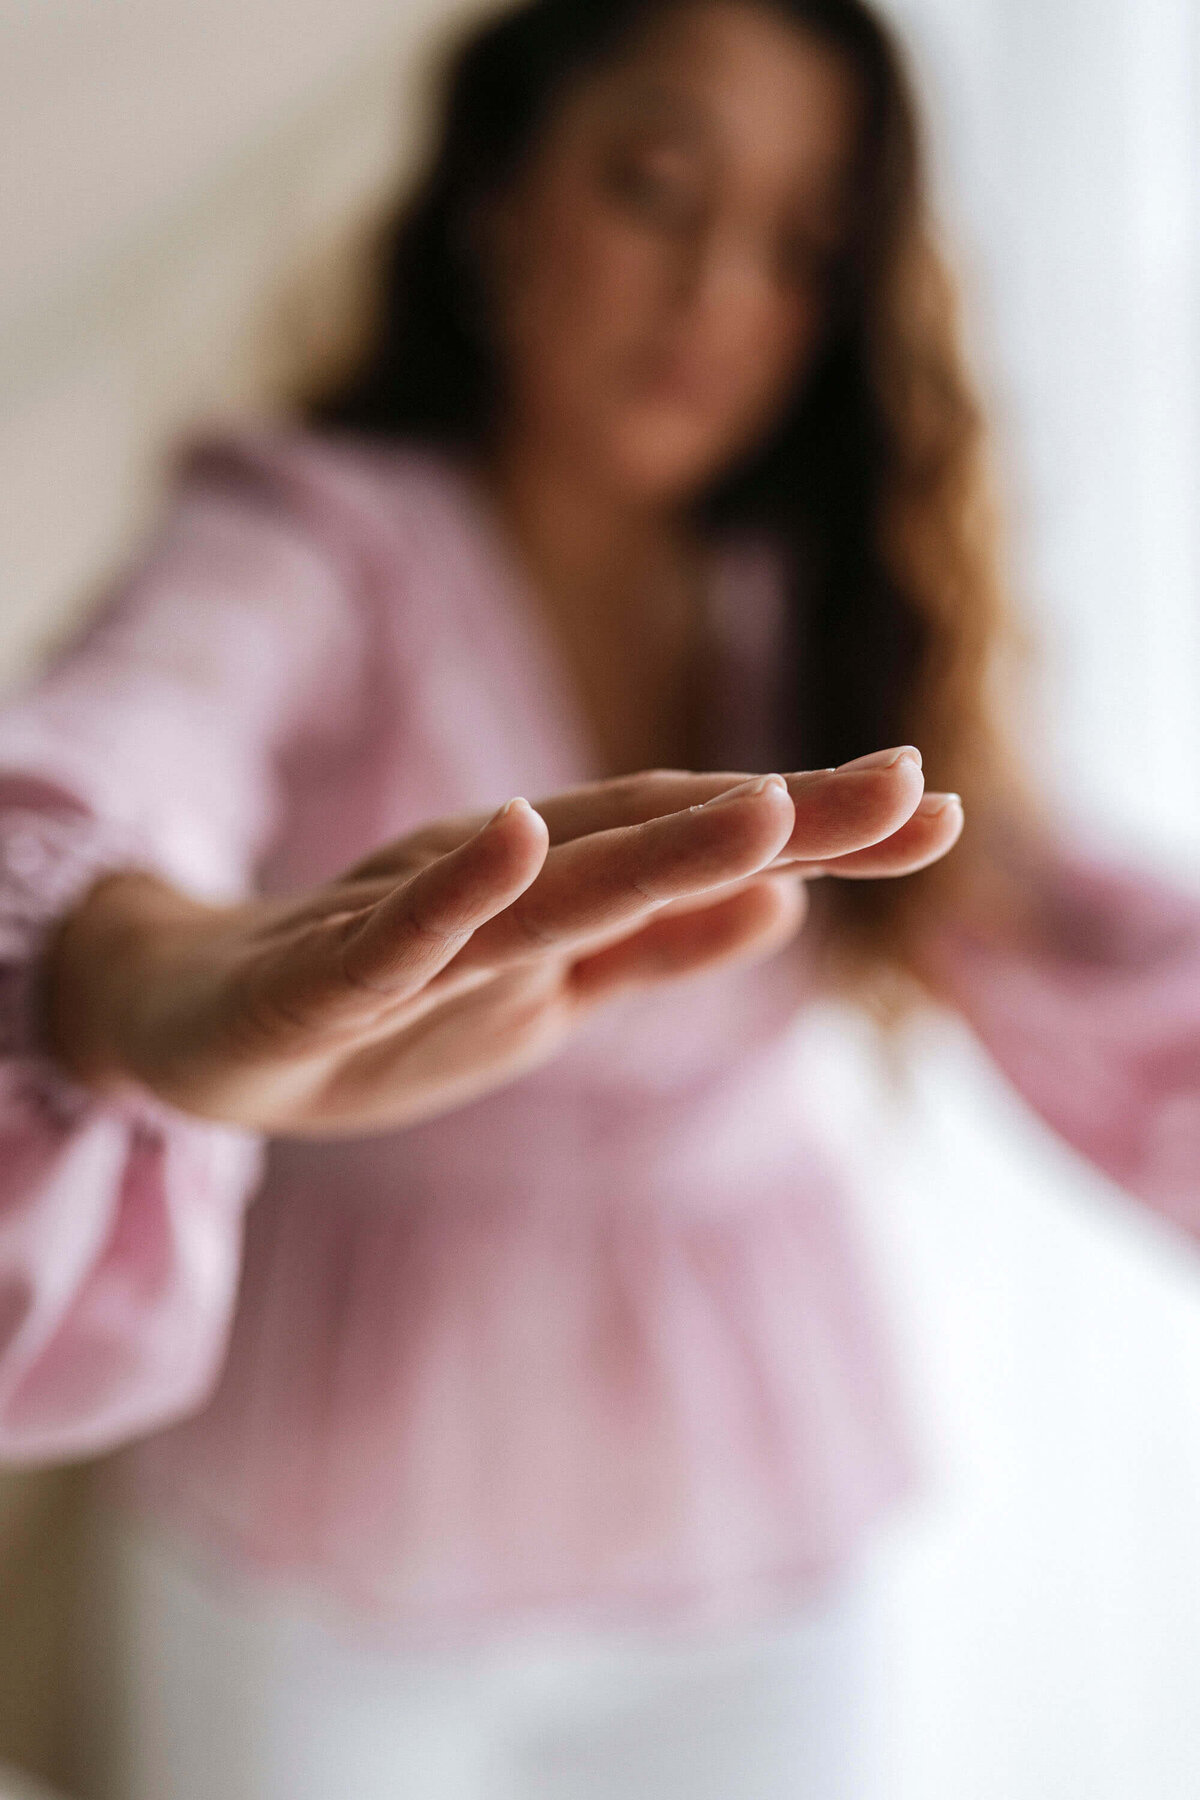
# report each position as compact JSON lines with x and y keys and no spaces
{"x":602,"y":1339}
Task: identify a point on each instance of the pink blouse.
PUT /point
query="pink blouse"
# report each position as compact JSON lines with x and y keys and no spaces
{"x":602,"y":1344}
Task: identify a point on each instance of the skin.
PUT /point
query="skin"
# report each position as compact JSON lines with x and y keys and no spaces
{"x":691,"y":200}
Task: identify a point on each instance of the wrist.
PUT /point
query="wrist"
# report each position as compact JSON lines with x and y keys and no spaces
{"x":99,"y":966}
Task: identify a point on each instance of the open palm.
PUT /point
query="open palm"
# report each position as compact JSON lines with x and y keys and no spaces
{"x":460,"y":955}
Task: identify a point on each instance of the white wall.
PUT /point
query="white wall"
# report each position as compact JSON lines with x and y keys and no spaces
{"x":1067,"y":139}
{"x":181,"y":188}
{"x":174,"y":181}
{"x":1042,"y":1631}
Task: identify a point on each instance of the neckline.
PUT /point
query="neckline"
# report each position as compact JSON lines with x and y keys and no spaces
{"x":529,"y":643}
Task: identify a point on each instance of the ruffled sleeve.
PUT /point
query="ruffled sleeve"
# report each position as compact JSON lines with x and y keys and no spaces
{"x":1093,"y":1012}
{"x":156,"y":740}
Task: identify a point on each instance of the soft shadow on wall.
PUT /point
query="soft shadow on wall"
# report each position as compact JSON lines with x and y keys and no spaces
{"x":185,"y":195}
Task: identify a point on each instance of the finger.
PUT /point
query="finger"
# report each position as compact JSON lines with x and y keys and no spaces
{"x":571,"y":813}
{"x":609,"y":881}
{"x":839,"y":811}
{"x":404,"y":855}
{"x":933,"y":829}
{"x":576,"y":812}
{"x":755,"y":922}
{"x":848,"y":807}
{"x":350,"y":964}
{"x":632,"y":800}
{"x":866,"y":795}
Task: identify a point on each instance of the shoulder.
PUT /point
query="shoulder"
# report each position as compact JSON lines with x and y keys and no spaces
{"x":342,"y":484}
{"x":392,"y":523}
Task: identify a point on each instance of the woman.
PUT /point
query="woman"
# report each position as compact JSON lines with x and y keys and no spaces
{"x":549,"y":1317}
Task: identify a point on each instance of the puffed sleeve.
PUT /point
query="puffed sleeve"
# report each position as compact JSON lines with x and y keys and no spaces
{"x":1092,"y":1010}
{"x":156,"y":739}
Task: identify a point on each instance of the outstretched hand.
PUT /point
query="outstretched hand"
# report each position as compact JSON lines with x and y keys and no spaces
{"x":454,"y":958}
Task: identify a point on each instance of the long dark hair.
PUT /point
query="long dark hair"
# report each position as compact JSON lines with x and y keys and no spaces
{"x":875,"y":476}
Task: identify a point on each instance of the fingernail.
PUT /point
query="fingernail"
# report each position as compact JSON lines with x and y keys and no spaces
{"x":883,"y":759}
{"x":749,"y":789}
{"x":937,"y":803}
{"x":508,"y":807}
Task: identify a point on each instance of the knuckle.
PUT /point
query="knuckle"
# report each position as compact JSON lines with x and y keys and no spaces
{"x":530,"y":928}
{"x":632,"y":874}
{"x":353,"y":977}
{"x":642,"y":890}
{"x":415,"y":935}
{"x":419,"y":922}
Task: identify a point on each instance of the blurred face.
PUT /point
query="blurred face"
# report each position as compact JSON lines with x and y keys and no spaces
{"x":661,"y":270}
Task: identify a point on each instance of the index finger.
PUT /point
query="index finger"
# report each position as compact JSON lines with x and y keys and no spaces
{"x":837,"y":810}
{"x":568,"y":814}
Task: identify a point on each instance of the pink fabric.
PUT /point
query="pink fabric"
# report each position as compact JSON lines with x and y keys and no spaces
{"x":601,"y":1343}
{"x":1099,"y":1027}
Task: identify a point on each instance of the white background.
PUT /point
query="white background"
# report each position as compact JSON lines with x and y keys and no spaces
{"x":1042,"y":1608}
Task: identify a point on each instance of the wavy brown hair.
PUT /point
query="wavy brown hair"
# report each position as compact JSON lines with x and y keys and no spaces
{"x":874,"y":480}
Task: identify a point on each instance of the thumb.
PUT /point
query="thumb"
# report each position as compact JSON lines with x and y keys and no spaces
{"x":347,"y":966}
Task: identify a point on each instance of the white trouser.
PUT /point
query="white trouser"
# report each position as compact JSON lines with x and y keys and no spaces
{"x":211,"y":1693}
